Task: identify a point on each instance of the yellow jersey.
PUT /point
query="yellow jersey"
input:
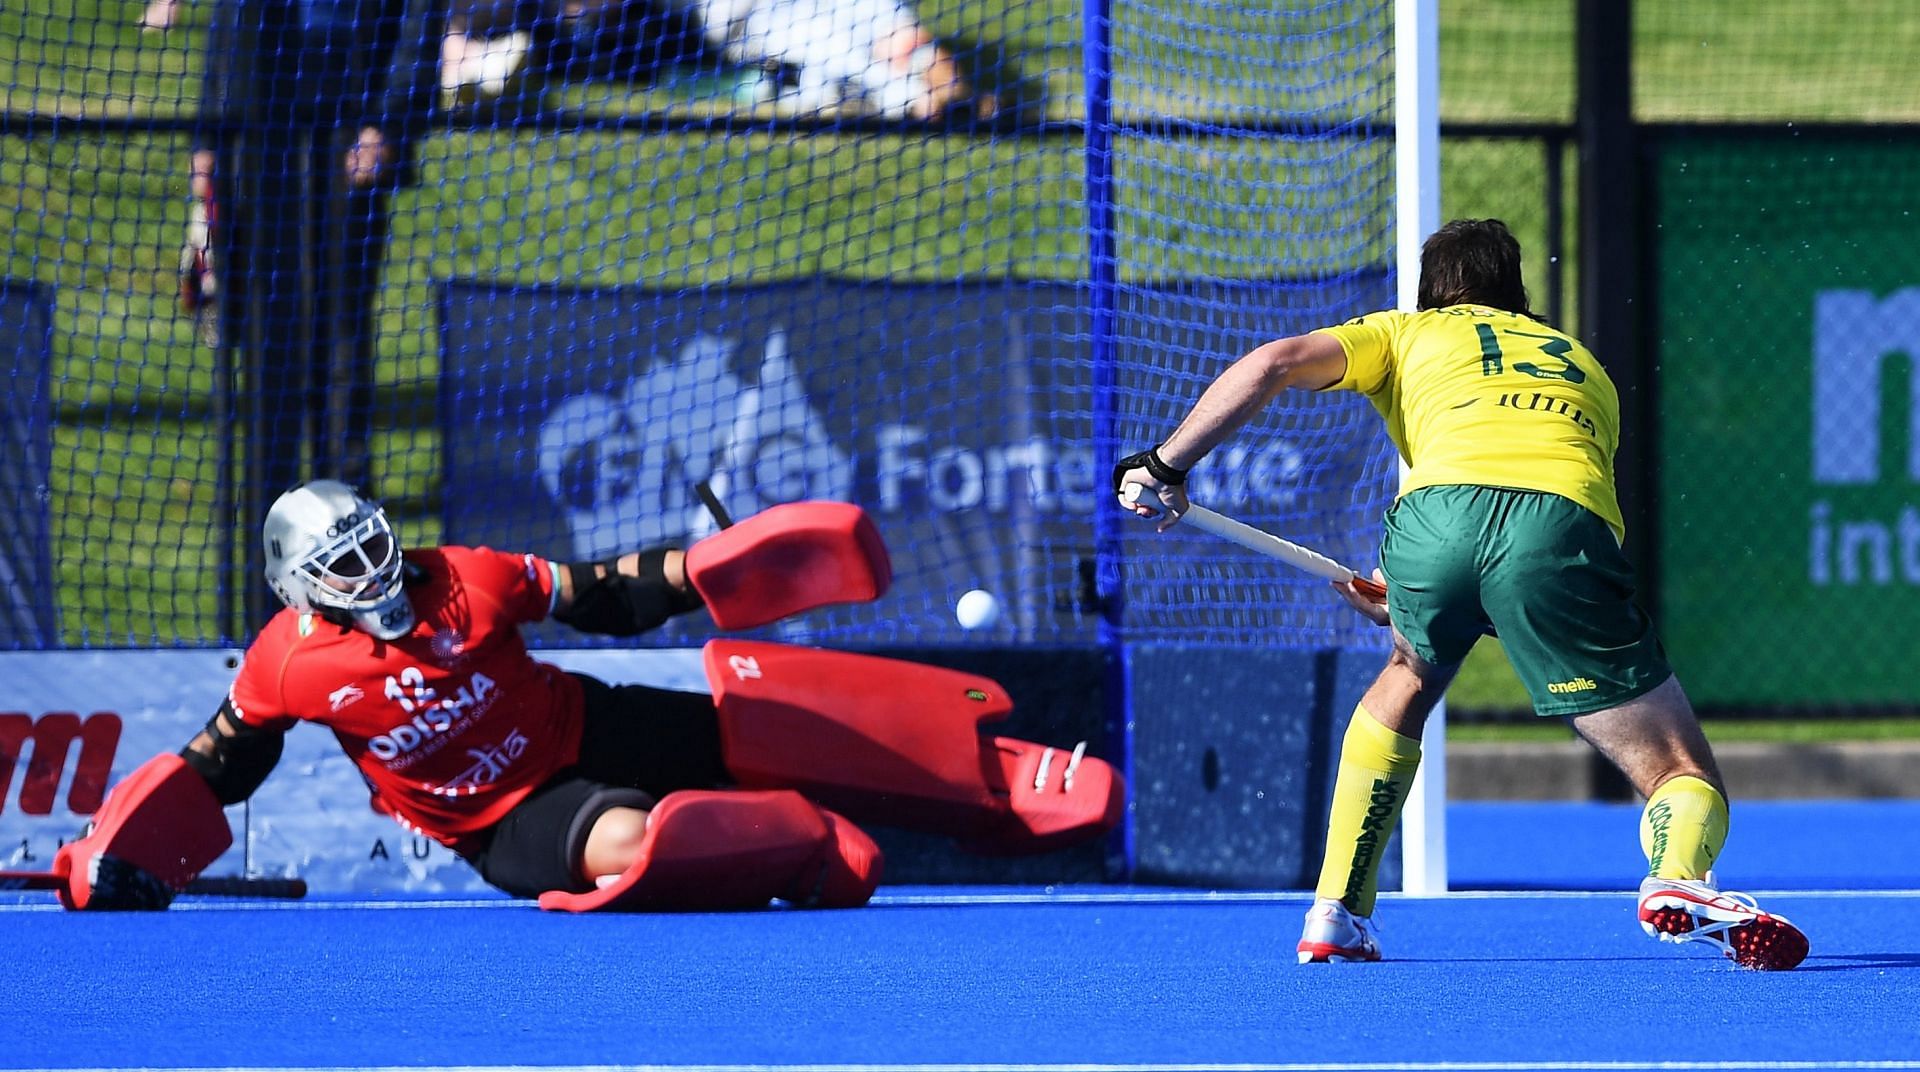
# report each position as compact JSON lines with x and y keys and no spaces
{"x":1476,"y":395}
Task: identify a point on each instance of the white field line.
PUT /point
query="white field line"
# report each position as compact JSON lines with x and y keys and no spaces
{"x":1302,"y":1066}
{"x":1119,"y":896}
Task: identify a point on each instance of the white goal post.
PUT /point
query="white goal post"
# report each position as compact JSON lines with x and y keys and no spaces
{"x":1416,"y":111}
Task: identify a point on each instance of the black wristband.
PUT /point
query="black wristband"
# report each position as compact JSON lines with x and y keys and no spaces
{"x":653,"y":566}
{"x":612,"y":603}
{"x":1158,"y":468}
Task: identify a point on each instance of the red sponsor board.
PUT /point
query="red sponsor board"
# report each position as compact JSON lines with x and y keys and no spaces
{"x":40,"y":749}
{"x":73,"y":723}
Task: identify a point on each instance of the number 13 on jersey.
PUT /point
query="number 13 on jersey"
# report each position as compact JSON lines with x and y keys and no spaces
{"x":1555,"y":347}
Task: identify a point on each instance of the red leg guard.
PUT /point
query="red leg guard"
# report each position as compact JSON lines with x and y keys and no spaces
{"x":162,"y":819}
{"x":710,"y":851}
{"x":1055,"y":797}
{"x":850,"y":871}
{"x":898,"y":743}
{"x":786,"y":559}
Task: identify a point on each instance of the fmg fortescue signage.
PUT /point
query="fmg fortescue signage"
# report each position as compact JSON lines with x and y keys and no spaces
{"x":960,"y":415}
{"x":1789,"y":420}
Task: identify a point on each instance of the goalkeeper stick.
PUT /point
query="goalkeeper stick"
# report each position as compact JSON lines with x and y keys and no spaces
{"x":1266,"y":543}
{"x":284,"y":889}
{"x":714,"y":507}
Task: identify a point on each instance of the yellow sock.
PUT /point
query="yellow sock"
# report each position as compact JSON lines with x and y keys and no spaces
{"x":1376,"y":773}
{"x":1682,"y":828}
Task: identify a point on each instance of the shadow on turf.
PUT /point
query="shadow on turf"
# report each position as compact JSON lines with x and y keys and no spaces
{"x":1814,"y":963}
{"x":1859,"y":961}
{"x":1864,"y":962}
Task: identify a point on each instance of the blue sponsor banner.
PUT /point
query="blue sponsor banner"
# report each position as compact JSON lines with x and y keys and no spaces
{"x":960,"y":415}
{"x":27,"y":618}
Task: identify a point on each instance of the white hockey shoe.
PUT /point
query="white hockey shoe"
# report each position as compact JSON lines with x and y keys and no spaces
{"x":1683,"y":910}
{"x":1333,"y":935}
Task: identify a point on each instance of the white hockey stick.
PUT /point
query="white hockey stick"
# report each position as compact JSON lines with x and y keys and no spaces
{"x":1266,"y":543}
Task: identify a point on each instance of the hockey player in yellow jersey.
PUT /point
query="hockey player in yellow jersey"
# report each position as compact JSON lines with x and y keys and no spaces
{"x":1533,"y":410}
{"x":1507,"y":522}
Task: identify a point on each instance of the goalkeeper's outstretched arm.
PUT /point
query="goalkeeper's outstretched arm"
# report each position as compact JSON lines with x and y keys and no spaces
{"x":781,"y":561}
{"x":233,"y":756}
{"x":625,"y":596}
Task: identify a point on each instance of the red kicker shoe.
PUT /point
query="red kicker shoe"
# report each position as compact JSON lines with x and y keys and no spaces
{"x":1682,"y":910}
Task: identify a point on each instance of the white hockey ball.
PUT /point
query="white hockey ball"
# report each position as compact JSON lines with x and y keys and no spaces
{"x":977,"y":610}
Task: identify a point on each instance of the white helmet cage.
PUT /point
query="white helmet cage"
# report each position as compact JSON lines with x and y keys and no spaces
{"x":329,"y":550}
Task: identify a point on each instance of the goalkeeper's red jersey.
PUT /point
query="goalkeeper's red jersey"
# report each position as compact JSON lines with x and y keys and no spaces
{"x":454,"y":723}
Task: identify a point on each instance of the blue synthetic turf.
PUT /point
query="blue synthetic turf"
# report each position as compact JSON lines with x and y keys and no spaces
{"x":1095,"y":977}
{"x":1771,"y":844}
{"x":1477,"y":980}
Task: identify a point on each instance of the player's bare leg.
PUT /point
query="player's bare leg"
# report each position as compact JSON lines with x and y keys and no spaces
{"x":1407,"y":690}
{"x":1653,"y":739}
{"x":614,"y":843}
{"x":1657,"y":743}
{"x":1378,"y":759}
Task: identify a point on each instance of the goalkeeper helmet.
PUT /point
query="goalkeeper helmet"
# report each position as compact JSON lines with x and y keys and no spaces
{"x":330,"y":552}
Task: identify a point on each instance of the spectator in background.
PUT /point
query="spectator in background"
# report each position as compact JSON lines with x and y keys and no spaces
{"x":858,"y":55}
{"x":492,"y":43}
{"x":848,"y":57}
{"x":311,"y":110}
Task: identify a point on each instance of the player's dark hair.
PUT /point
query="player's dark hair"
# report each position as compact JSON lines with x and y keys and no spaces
{"x":1472,"y":262}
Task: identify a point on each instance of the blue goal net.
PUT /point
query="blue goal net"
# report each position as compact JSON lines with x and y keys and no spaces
{"x":531,"y":271}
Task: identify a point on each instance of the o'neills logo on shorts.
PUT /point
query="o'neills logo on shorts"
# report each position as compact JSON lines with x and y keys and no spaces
{"x":1578,"y":684}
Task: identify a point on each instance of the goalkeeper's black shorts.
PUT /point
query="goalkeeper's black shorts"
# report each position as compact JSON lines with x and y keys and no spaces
{"x":637,"y":745}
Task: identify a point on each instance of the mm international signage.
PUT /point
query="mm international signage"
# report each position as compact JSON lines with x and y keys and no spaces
{"x":1788,"y":377}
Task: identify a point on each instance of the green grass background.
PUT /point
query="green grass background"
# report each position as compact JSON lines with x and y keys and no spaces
{"x":99,"y":217}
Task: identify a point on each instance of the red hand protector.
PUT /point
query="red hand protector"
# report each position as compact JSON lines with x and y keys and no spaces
{"x":786,"y":559}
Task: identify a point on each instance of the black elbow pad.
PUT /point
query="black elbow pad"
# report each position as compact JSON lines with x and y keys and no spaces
{"x":618,"y":605}
{"x":240,"y":762}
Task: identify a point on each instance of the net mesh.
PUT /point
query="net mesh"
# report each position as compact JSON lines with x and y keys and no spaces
{"x":530,"y":270}
{"x":1821,"y":530}
{"x":1746,"y":231}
